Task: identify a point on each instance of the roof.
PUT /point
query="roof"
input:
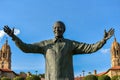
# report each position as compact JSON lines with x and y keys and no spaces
{"x":8,"y":71}
{"x":78,"y":78}
{"x":112,"y":68}
{"x":101,"y":74}
{"x":115,"y":68}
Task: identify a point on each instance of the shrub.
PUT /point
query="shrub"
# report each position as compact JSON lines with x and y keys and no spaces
{"x":18,"y":78}
{"x":33,"y":77}
{"x":104,"y":77}
{"x":91,"y":77}
{"x":5,"y":78}
{"x":115,"y":77}
{"x":42,"y":75}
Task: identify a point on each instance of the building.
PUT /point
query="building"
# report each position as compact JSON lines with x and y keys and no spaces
{"x":115,"y":60}
{"x":7,"y":73}
{"x":5,"y":61}
{"x":5,"y":56}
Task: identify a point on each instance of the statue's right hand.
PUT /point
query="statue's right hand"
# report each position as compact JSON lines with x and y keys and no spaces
{"x":8,"y":31}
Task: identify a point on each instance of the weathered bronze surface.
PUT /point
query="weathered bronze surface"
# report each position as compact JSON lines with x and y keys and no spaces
{"x":58,"y":52}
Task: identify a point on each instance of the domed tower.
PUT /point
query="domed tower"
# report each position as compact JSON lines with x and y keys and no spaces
{"x":5,"y":56}
{"x":115,"y":53}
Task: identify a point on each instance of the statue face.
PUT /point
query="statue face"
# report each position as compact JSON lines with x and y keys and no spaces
{"x":58,"y":30}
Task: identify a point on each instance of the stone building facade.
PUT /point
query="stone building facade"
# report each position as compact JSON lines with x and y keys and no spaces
{"x":5,"y":56}
{"x":5,"y":61}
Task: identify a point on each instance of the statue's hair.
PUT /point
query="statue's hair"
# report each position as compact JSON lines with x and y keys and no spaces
{"x":62,"y":24}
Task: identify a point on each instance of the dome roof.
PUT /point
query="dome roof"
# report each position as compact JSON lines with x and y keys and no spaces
{"x":5,"y":47}
{"x":115,"y":45}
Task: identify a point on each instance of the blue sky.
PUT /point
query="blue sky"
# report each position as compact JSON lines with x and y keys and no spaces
{"x":85,"y":22}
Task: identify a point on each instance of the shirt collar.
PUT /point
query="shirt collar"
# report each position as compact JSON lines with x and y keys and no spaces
{"x":56,"y":39}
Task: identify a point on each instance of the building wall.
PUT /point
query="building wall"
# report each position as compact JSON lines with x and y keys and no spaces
{"x":112,"y":73}
{"x":0,"y":73}
{"x":5,"y":56}
{"x":115,"y":53}
{"x":10,"y":75}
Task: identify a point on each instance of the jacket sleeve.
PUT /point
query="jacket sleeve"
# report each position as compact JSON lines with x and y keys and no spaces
{"x":83,"y":48}
{"x":28,"y":48}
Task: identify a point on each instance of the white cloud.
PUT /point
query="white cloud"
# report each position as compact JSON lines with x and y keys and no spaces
{"x":16,"y":31}
{"x":2,"y":33}
{"x":105,"y":50}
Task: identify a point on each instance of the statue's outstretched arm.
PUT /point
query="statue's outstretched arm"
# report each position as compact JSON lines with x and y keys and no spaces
{"x":83,"y":48}
{"x":27,"y":48}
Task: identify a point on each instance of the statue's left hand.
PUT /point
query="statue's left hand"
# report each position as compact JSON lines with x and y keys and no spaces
{"x":108,"y":34}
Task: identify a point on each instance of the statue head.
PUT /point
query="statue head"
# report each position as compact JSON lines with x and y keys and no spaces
{"x":59,"y":29}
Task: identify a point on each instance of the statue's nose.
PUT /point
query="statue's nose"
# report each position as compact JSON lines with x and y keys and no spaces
{"x":57,"y":29}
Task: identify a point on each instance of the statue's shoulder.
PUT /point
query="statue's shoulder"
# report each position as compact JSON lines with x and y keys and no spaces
{"x":73,"y":41}
{"x":47,"y":41}
{"x":68,"y":40}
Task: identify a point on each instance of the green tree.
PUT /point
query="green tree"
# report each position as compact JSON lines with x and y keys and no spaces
{"x":36,"y":72}
{"x":5,"y":78}
{"x":90,"y":77}
{"x":18,"y":78}
{"x":117,"y":77}
{"x":104,"y":77}
{"x":33,"y":77}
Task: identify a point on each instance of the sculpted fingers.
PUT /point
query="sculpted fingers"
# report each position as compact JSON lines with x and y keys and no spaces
{"x":108,"y":34}
{"x":5,"y":28}
{"x":8,"y":30}
{"x":111,"y":31}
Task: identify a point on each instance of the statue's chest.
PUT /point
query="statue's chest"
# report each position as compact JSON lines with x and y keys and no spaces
{"x":56,"y":50}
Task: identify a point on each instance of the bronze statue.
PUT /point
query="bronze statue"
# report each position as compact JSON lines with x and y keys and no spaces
{"x":58,"y":52}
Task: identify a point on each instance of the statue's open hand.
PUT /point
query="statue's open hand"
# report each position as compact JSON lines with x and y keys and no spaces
{"x":108,"y":34}
{"x":8,"y":31}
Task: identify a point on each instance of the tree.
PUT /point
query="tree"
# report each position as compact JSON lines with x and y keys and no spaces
{"x":5,"y":78}
{"x":33,"y":77}
{"x":36,"y":72}
{"x":90,"y":77}
{"x":104,"y":77}
{"x":117,"y":77}
{"x":18,"y":78}
{"x":83,"y":73}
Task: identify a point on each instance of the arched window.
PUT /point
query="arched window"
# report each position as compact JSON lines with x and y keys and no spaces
{"x":2,"y":65}
{"x":4,"y":55}
{"x":118,"y":62}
